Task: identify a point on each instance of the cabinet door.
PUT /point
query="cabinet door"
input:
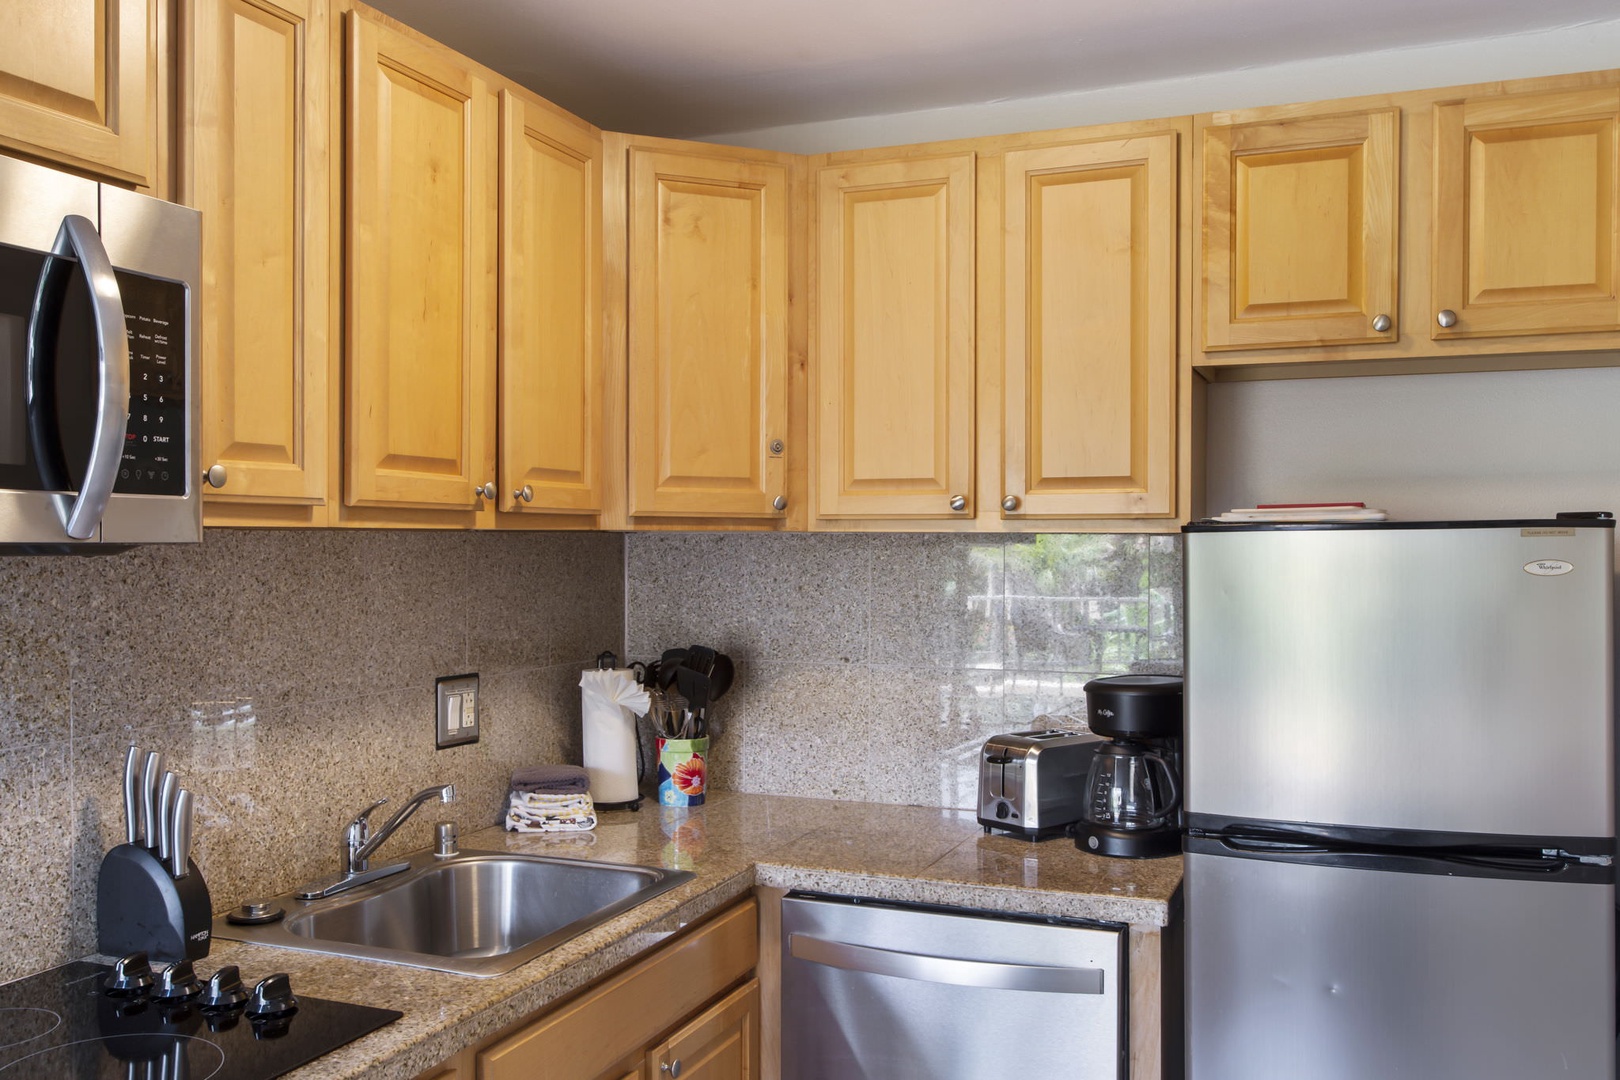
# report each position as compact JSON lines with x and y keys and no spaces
{"x":551,"y":396}
{"x":1527,"y":214}
{"x":1300,"y":222}
{"x":78,"y":83}
{"x":720,"y":1044}
{"x":707,"y":334}
{"x":260,"y":168}
{"x":894,"y":348}
{"x":1090,"y":348}
{"x":419,"y":398}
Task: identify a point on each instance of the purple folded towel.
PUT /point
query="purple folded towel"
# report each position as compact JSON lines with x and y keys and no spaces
{"x":550,"y":780}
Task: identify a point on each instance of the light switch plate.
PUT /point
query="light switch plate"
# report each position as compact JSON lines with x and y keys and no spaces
{"x":457,"y":722}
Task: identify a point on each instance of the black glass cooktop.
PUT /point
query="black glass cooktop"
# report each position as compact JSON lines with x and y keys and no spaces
{"x":61,"y":1024}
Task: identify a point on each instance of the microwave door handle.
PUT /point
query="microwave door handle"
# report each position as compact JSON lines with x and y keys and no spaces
{"x":78,"y":237}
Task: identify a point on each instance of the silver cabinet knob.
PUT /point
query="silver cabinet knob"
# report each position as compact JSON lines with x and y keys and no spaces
{"x":777,"y":447}
{"x":486,"y":491}
{"x":959,"y":502}
{"x":1010,"y":503}
{"x":215,"y":477}
{"x":671,"y":1067}
{"x":1446,"y":317}
{"x":525,"y":493}
{"x":1382,"y":323}
{"x":780,"y":502}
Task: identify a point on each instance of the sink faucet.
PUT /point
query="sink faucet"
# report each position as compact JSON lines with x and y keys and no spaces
{"x":360,"y":843}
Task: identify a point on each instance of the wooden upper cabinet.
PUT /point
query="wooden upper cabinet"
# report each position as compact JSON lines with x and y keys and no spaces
{"x":707,"y":335}
{"x":78,"y":83}
{"x":259,"y":165}
{"x":722,"y":1043}
{"x":551,"y":378}
{"x":419,"y":401}
{"x":1527,"y":203}
{"x":1090,"y":358}
{"x":894,"y":351}
{"x":1300,"y":223}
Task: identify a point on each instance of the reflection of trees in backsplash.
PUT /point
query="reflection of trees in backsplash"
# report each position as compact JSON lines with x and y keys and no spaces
{"x":1081,"y":602}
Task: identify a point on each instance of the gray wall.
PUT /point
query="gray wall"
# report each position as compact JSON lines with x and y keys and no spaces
{"x":288,"y":677}
{"x":874,"y":667}
{"x":1499,"y":444}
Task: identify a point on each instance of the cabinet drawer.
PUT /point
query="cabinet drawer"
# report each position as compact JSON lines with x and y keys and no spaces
{"x":633,"y":1008}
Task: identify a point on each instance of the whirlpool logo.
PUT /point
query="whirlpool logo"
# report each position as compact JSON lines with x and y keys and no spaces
{"x":1548,"y":567}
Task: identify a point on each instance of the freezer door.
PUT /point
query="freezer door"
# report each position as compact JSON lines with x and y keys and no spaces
{"x":879,"y":992}
{"x":1298,"y":971}
{"x":1453,"y":680}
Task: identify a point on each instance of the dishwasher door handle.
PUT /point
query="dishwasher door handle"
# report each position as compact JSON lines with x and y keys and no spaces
{"x":945,"y":969}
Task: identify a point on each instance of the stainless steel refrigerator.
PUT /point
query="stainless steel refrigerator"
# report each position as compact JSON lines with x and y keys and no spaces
{"x":1400,"y":797}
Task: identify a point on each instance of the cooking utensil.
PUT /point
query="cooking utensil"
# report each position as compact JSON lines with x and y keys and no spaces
{"x":694,"y":686}
{"x":134,"y":826}
{"x":700,"y":658}
{"x":150,"y":777}
{"x":721,"y":676}
{"x":669,"y":664}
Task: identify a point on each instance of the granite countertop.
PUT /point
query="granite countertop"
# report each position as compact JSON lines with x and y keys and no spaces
{"x":733,"y":843}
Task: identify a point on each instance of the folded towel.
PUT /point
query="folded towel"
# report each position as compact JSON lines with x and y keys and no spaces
{"x":530,"y":812}
{"x":551,"y":779}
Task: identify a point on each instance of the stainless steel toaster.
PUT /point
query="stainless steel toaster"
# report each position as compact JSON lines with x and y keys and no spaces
{"x":1032,"y":783}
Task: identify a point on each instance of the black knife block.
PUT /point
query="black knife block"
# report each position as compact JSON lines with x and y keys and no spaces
{"x":141,"y":908}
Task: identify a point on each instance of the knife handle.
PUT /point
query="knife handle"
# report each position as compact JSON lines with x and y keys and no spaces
{"x":167,"y":792}
{"x":134,"y":825}
{"x":180,"y":843}
{"x":149,"y":793}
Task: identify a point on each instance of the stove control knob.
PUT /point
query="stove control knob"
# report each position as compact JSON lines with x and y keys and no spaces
{"x":272,"y":997}
{"x":130,"y":975}
{"x":225,"y":989}
{"x":177,"y":982}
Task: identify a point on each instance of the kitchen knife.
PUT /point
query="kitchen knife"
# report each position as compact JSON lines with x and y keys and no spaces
{"x":167,"y":791}
{"x":134,"y":826}
{"x":180,"y":842}
{"x":149,"y":793}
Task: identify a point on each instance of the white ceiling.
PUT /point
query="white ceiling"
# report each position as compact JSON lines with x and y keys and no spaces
{"x":705,"y":67}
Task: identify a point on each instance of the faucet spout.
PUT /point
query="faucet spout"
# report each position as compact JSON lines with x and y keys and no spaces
{"x":360,"y":843}
{"x":363,"y":843}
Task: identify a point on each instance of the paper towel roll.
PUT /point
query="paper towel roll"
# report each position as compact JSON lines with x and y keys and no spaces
{"x":609,"y":736}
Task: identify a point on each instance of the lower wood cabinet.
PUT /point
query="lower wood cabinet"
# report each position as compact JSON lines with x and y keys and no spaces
{"x":694,"y":1001}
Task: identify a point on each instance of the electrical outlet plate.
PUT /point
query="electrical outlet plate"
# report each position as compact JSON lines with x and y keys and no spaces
{"x":457,"y":722}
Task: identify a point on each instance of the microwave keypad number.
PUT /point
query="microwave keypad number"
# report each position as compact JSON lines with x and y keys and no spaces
{"x":154,"y":460}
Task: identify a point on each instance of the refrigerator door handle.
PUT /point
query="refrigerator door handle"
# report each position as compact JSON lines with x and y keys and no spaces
{"x":941,"y":969}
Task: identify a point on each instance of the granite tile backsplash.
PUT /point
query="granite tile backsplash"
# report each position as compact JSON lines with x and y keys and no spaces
{"x":872,"y":667}
{"x":288,"y":678}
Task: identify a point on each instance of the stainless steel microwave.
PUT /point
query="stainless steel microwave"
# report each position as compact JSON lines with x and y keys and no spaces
{"x":99,"y":414}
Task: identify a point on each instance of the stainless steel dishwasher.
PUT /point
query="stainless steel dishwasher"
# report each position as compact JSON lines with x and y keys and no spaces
{"x":880,"y":991}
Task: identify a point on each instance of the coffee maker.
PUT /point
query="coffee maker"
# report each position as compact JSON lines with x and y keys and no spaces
{"x":1133,"y":788}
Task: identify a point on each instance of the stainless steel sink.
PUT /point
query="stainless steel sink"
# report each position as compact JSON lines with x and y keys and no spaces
{"x":477,"y":913}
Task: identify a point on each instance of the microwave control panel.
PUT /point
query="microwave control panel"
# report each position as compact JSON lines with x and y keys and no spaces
{"x":154,"y":460}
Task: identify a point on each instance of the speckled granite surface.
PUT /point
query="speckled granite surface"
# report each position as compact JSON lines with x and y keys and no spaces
{"x":287,"y":675}
{"x":890,"y":852}
{"x":873,"y":667}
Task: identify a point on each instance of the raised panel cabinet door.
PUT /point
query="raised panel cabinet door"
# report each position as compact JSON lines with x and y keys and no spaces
{"x":722,"y":1043}
{"x":419,"y":390}
{"x":707,"y":334}
{"x":260,"y":168}
{"x":78,"y":83}
{"x":894,"y":352}
{"x":551,"y":393}
{"x":1089,"y":427}
{"x":1300,"y":223}
{"x":1527,"y":214}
